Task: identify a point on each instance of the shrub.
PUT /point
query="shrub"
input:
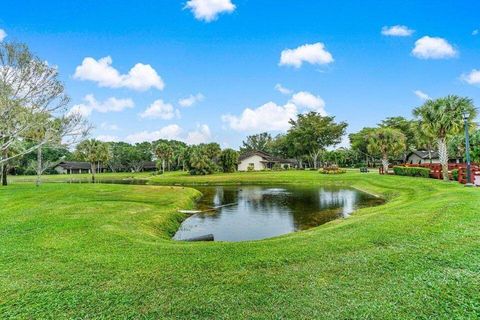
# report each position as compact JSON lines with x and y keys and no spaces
{"x":277,"y":167}
{"x":199,"y":161}
{"x":332,"y":170}
{"x":455,"y":174}
{"x":229,"y":160}
{"x":412,"y":171}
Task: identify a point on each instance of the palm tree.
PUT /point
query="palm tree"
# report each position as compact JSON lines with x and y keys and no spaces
{"x":387,"y":142}
{"x":442,"y":118}
{"x":164,"y":152}
{"x":94,"y":152}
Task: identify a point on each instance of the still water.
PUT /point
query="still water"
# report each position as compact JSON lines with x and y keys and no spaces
{"x":259,"y":212}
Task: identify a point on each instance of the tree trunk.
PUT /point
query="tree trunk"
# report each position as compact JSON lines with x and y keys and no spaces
{"x":385,"y":164}
{"x":314,"y":159}
{"x":92,"y":168}
{"x":163,"y":166}
{"x":39,"y":166}
{"x":4,"y":174}
{"x":4,"y":169}
{"x":443,"y":156}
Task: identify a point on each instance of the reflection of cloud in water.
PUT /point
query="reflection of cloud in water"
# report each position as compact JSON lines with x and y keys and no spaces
{"x":262,"y":212}
{"x":343,"y":198}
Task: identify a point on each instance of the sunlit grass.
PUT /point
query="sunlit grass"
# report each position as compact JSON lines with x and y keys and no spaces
{"x":102,"y":251}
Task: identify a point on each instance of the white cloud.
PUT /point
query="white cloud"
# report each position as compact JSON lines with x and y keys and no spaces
{"x":475,"y":32}
{"x":307,"y":100}
{"x":282,"y":89}
{"x":108,"y":138}
{"x":141,"y":76}
{"x":472,"y":78}
{"x":208,"y":10}
{"x":159,"y":110}
{"x":397,"y":31}
{"x":109,"y":126}
{"x":269,"y":116}
{"x":112,"y":104}
{"x":311,"y":53}
{"x":274,"y":117}
{"x":201,"y":135}
{"x":3,"y":35}
{"x":172,"y":131}
{"x":433,"y":48}
{"x":191,"y":100}
{"x":421,"y":95}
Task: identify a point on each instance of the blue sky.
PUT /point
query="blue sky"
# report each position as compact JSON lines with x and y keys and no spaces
{"x":226,"y":56}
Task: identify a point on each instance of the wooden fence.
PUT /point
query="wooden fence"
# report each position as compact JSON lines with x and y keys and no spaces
{"x":436,"y":170}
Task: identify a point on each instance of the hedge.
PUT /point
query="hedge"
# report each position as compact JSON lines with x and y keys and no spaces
{"x":332,"y":170}
{"x":412,"y":171}
{"x":455,"y":174}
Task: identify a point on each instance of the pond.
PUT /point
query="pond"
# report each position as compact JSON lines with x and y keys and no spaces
{"x":260,"y":212}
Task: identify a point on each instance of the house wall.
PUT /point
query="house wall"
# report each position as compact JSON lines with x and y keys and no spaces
{"x":414,"y":159}
{"x":60,"y":170}
{"x":255,"y":160}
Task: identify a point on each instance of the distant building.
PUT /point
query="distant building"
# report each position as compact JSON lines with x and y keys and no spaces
{"x":258,"y":160}
{"x":72,"y":167}
{"x":425,"y":156}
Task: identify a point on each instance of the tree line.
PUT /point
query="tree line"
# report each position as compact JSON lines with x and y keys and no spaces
{"x":37,"y":131}
{"x":438,"y":125}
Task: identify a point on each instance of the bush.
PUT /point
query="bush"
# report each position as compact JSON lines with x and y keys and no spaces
{"x":332,"y":170}
{"x":277,"y":167}
{"x":412,"y":171}
{"x":455,"y":174}
{"x":229,"y":160}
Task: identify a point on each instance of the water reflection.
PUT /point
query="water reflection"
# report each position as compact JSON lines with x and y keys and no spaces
{"x":260,"y":212}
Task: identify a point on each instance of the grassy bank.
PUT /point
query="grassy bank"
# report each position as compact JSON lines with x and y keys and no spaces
{"x":101,"y":251}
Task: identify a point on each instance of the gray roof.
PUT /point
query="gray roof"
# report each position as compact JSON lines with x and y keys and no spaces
{"x":424,"y":154}
{"x":74,"y":165}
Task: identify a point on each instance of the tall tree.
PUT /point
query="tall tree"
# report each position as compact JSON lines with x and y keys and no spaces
{"x":405,"y":126}
{"x":442,"y":118}
{"x":29,"y":86}
{"x":164,"y":152}
{"x":312,"y":133}
{"x":258,"y":142}
{"x":94,"y":152}
{"x":139,"y":154}
{"x":387,"y":142}
{"x":359,"y":143}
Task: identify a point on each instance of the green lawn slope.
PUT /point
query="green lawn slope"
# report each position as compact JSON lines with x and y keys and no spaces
{"x":103,"y":251}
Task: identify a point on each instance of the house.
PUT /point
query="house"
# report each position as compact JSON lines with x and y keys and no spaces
{"x":69,"y":167}
{"x":425,"y":156}
{"x":149,"y":166}
{"x":73,"y":167}
{"x":259,"y":160}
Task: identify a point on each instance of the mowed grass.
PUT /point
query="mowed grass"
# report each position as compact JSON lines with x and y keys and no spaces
{"x":102,"y":251}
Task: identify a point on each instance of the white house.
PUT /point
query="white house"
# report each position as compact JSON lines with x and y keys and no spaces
{"x":258,"y":160}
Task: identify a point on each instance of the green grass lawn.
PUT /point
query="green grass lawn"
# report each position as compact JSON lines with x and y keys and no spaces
{"x":102,"y":251}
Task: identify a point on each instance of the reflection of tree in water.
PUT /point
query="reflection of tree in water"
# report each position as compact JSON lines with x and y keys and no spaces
{"x":216,"y":196}
{"x":307,"y":206}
